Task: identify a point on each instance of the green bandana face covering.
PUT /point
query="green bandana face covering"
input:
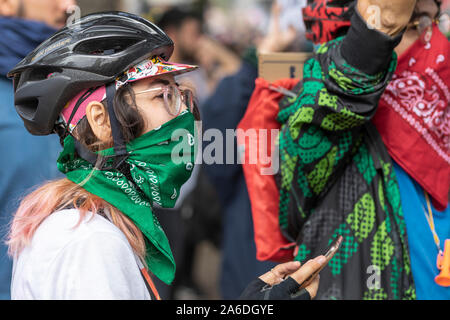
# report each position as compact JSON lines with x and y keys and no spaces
{"x":161,"y":161}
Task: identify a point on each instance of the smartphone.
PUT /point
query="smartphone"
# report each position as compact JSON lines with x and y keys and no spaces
{"x":332,"y":249}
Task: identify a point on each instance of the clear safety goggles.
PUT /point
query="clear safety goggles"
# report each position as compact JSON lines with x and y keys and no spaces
{"x":173,"y":97}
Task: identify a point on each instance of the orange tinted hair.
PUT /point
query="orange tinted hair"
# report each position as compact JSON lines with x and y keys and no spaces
{"x":55,"y":196}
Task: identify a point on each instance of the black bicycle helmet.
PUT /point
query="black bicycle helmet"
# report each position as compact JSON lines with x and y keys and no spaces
{"x":92,"y":52}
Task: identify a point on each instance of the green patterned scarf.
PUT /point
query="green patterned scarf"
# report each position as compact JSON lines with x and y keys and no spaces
{"x":161,"y":161}
{"x":338,"y":179}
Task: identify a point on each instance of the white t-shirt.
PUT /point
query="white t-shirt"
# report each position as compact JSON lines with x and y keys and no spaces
{"x":93,"y":261}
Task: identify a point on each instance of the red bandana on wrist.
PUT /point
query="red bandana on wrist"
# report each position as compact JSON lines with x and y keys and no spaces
{"x":413,"y":117}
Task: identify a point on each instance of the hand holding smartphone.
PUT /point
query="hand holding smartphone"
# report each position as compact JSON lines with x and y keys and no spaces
{"x":332,"y":249}
{"x":304,"y":276}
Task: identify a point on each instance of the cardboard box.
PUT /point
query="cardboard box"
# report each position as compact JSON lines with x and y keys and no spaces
{"x":274,"y":66}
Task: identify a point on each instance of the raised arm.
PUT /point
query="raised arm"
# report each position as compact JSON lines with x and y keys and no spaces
{"x":323,"y":129}
{"x":387,"y":16}
{"x":370,"y":51}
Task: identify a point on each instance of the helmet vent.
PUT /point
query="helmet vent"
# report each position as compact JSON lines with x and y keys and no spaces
{"x":41,"y":73}
{"x":27,"y":108}
{"x":105,"y":47}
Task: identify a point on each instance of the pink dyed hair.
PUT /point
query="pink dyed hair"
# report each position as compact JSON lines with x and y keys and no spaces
{"x":56,"y":195}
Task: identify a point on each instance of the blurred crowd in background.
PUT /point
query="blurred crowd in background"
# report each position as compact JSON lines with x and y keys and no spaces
{"x":210,"y":230}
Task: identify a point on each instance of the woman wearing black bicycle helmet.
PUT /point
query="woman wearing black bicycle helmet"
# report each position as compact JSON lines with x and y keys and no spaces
{"x":104,"y":86}
{"x":128,"y":132}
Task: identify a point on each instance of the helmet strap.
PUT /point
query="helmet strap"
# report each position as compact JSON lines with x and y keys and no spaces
{"x":120,"y":150}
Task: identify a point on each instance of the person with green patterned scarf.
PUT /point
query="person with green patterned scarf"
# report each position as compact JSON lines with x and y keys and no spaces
{"x":337,"y":171}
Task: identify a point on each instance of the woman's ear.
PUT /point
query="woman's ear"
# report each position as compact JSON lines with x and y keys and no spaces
{"x":98,"y":119}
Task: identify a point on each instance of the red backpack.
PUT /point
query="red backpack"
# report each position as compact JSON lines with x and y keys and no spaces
{"x":261,"y":117}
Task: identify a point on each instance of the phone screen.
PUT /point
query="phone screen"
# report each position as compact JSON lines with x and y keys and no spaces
{"x":332,"y":249}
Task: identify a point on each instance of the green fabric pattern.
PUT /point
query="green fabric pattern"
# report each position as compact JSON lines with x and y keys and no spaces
{"x":161,"y":161}
{"x":324,"y":136}
{"x":375,"y":294}
{"x":362,"y":219}
{"x":348,"y":247}
{"x":302,"y":253}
